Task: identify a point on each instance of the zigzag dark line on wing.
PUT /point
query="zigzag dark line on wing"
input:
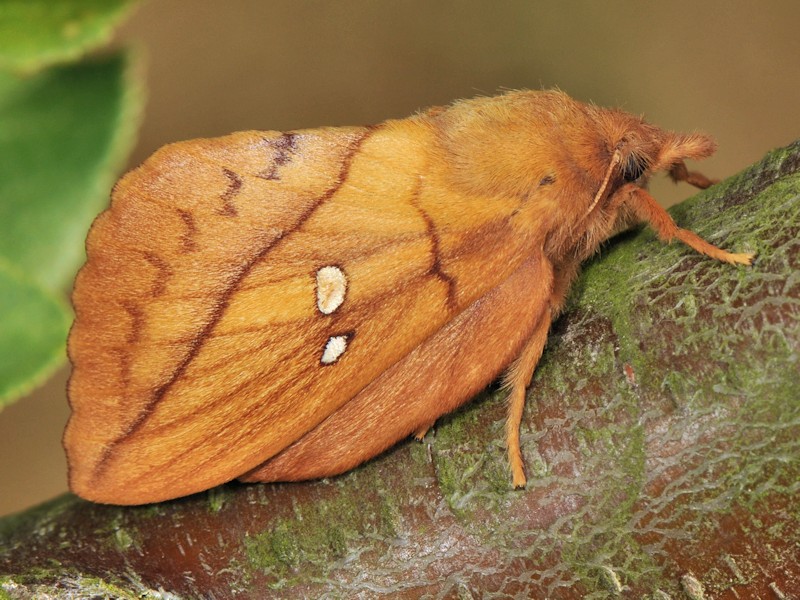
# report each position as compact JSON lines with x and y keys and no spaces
{"x":219,"y":309}
{"x":187,"y":239}
{"x":436,"y":269}
{"x":164,"y":273}
{"x":285,"y":146}
{"x":234,"y":185}
{"x":122,"y":352}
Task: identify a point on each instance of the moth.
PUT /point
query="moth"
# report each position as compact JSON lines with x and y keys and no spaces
{"x":276,"y":306}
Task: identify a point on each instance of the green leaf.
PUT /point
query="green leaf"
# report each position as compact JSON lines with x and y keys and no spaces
{"x":38,"y":33}
{"x":33,"y":325}
{"x":64,"y":134}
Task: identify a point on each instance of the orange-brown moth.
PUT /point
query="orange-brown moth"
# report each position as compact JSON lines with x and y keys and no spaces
{"x":284,"y":306}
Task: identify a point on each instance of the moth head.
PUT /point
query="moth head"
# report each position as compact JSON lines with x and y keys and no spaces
{"x":620,"y":153}
{"x":634,"y":151}
{"x":638,"y":149}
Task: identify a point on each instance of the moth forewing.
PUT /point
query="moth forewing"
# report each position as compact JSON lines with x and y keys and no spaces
{"x":215,"y":340}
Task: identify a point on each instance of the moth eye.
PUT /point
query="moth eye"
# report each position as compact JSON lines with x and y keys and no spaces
{"x":633,"y":169}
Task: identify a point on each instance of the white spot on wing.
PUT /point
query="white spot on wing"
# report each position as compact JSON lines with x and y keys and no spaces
{"x":331,"y":288}
{"x":334,"y":348}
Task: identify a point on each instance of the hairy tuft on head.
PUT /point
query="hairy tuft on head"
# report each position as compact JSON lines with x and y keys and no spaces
{"x":679,"y":146}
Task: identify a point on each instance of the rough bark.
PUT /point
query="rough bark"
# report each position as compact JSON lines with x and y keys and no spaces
{"x":662,"y":441}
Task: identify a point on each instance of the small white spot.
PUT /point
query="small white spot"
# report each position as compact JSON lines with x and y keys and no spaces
{"x":334,"y":348}
{"x":331,"y":288}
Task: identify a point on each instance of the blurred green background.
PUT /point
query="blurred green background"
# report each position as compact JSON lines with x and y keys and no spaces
{"x":727,"y":68}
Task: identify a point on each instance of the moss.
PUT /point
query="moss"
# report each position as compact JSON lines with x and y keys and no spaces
{"x":316,"y":538}
{"x":123,"y":539}
{"x":151,"y":511}
{"x":610,"y":580}
{"x":535,"y":464}
{"x":274,"y":550}
{"x":389,"y":517}
{"x":119,"y":530}
{"x":289,"y":544}
{"x":37,"y":518}
{"x":72,"y":585}
{"x":692,"y":587}
{"x":217,"y":497}
{"x":420,"y":452}
{"x":470,"y":460}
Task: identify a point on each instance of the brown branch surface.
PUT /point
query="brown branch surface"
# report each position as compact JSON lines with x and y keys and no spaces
{"x":662,"y":441}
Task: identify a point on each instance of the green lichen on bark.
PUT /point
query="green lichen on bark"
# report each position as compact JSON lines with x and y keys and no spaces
{"x":318,"y":535}
{"x":661,"y":437}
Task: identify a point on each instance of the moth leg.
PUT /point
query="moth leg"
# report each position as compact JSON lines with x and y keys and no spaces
{"x":647,"y":209}
{"x":517,"y":378}
{"x":420,"y":433}
{"x":679,"y":172}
